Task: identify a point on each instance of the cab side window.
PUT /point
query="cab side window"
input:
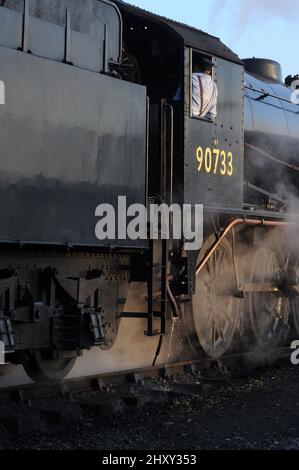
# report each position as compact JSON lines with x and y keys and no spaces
{"x":203,"y":89}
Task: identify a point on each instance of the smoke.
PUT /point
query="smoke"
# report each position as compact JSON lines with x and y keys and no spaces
{"x":282,"y":180}
{"x":243,"y":12}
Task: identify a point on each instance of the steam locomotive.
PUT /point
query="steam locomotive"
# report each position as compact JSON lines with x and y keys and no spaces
{"x":75,"y":133}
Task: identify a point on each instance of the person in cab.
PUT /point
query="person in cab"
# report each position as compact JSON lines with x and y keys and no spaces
{"x":204,"y":90}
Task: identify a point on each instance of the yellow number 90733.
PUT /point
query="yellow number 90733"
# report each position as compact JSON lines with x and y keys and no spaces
{"x":215,"y":161}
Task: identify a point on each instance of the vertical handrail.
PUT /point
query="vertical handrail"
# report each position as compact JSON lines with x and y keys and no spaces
{"x":171,"y":151}
{"x":25,"y":26}
{"x":164,"y":284}
{"x":167,"y":154}
{"x":163,"y":150}
{"x":147,"y":143}
{"x":167,"y":145}
{"x":190,"y":81}
{"x":105,"y":49}
{"x":150,"y":289}
{"x":67,"y":38}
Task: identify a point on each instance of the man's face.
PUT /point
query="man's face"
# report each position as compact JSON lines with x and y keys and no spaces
{"x":209,"y":71}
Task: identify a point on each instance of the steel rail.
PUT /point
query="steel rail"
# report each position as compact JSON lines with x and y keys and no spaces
{"x":113,"y":379}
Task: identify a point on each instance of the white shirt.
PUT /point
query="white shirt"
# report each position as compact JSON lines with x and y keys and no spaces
{"x":204,"y":98}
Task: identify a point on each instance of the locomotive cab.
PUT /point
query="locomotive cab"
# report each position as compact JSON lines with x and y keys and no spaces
{"x":202,"y":159}
{"x":214,"y":147}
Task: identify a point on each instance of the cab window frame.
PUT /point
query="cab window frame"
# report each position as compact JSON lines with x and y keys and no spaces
{"x":192,"y":52}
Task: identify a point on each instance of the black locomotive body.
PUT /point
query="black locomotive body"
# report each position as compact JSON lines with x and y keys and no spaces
{"x":75,"y":133}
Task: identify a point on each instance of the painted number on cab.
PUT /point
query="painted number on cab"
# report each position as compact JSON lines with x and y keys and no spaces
{"x":214,"y":161}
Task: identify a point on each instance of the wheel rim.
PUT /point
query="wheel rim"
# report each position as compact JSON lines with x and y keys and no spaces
{"x":42,"y":368}
{"x":216,"y":310}
{"x":269,"y":311}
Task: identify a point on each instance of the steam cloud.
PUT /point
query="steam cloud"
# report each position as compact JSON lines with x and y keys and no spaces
{"x":245,"y":11}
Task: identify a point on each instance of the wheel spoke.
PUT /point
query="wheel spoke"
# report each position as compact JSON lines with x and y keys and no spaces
{"x":268,"y":312}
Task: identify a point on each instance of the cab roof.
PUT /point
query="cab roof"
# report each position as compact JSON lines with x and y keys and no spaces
{"x":192,"y":37}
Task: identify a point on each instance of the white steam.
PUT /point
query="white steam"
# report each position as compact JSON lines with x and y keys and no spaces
{"x":242,"y":12}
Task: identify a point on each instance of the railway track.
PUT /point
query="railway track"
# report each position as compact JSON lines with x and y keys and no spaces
{"x":224,"y":370}
{"x":124,"y":410}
